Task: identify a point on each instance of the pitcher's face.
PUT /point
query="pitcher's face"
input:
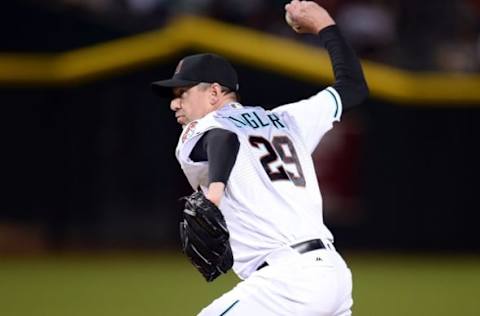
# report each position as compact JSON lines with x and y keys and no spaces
{"x":189,"y":103}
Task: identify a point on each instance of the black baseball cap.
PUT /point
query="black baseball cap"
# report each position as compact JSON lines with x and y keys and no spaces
{"x":198,"y":68}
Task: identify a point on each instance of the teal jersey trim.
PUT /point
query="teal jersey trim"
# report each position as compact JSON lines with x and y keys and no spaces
{"x":229,"y":308}
{"x":336,"y":102}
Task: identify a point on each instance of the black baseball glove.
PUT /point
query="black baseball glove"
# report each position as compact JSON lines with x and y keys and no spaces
{"x":205,"y":237}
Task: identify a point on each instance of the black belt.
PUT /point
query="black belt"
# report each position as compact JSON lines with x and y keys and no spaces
{"x":302,"y":247}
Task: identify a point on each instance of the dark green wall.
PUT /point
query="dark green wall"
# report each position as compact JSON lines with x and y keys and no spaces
{"x":95,"y":164}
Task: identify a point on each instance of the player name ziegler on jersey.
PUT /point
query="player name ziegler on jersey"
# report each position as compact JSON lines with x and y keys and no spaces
{"x":253,"y":120}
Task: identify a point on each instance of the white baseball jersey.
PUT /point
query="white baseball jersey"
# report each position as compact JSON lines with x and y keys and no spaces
{"x":272,"y":198}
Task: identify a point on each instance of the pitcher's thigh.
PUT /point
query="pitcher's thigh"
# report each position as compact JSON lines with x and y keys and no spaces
{"x":239,"y":302}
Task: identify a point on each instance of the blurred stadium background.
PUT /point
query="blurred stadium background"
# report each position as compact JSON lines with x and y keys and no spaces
{"x":89,"y":210}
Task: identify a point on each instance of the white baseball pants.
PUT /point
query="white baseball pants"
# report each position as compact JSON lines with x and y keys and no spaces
{"x":314,"y":283}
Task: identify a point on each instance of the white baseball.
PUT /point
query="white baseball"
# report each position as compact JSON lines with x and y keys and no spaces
{"x":290,"y":22}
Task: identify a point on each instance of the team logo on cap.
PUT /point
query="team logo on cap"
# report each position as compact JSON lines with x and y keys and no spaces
{"x":179,"y":67}
{"x":189,"y":131}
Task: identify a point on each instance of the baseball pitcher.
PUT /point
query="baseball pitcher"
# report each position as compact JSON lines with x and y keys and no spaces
{"x":257,"y":206}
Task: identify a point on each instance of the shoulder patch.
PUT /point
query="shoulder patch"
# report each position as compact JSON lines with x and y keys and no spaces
{"x":189,"y":131}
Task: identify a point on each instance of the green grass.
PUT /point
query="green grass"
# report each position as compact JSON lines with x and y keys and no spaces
{"x":414,"y":285}
{"x":167,"y":285}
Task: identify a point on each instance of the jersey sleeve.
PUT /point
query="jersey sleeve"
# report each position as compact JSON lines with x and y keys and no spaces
{"x":314,"y":116}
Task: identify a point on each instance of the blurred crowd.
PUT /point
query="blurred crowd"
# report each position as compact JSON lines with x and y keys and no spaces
{"x":438,"y":35}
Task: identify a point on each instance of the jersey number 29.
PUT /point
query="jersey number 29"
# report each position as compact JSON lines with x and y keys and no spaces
{"x":275,"y":150}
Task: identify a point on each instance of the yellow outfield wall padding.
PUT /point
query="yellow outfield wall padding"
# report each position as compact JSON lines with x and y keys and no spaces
{"x":239,"y":44}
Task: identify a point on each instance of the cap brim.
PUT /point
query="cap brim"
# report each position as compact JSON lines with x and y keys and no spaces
{"x":164,"y":88}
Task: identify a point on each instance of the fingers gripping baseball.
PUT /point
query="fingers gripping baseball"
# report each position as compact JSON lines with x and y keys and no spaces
{"x":307,"y":17}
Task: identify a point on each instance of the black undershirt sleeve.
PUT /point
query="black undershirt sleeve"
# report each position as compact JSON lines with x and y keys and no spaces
{"x":349,"y":79}
{"x":220,"y":148}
